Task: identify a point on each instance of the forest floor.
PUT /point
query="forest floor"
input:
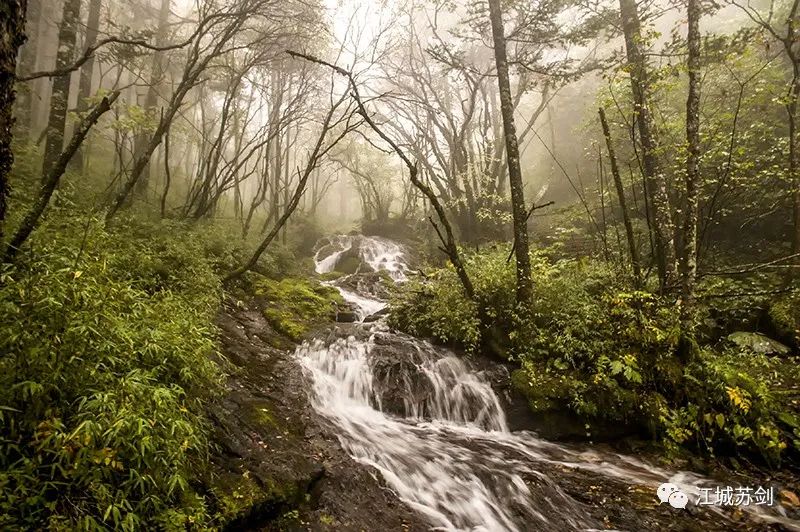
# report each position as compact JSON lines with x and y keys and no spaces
{"x":279,"y":465}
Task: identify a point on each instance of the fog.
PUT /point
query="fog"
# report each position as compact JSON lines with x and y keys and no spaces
{"x":241,"y":114}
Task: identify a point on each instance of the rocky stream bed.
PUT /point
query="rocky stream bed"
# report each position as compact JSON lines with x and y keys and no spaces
{"x":364,"y":428}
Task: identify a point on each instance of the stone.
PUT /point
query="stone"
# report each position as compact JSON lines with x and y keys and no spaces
{"x":757,"y":343}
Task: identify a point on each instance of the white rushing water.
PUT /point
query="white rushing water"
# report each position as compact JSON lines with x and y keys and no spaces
{"x":379,"y":253}
{"x":437,"y":433}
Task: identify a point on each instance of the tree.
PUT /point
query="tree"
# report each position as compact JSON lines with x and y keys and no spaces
{"x":786,"y":33}
{"x":67,"y":43}
{"x":27,"y":64}
{"x":12,"y":35}
{"x":518,"y":207}
{"x":52,"y":175}
{"x":87,"y":70}
{"x":215,"y":32}
{"x":450,"y":247}
{"x":322,"y":146}
{"x":151,"y":99}
{"x":623,"y":206}
{"x":689,"y":254}
{"x":654,"y":175}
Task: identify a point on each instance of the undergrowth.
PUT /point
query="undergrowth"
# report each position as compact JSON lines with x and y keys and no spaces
{"x":106,"y":340}
{"x":590,"y":343}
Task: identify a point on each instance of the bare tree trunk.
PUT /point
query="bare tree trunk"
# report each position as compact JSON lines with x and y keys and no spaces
{"x":626,"y":219}
{"x":313,"y":160}
{"x":51,"y":177}
{"x":656,"y":182}
{"x":27,"y":65}
{"x":67,"y":42}
{"x":87,"y":70}
{"x":689,"y":255}
{"x":151,"y":99}
{"x":12,"y":35}
{"x":167,"y":175}
{"x":794,"y":156}
{"x":518,"y":208}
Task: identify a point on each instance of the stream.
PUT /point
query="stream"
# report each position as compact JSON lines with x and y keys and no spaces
{"x":435,"y":429}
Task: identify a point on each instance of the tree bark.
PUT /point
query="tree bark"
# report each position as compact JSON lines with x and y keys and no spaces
{"x":27,"y":64}
{"x":626,"y":219}
{"x":67,"y":42}
{"x":12,"y":35}
{"x":51,"y":177}
{"x":518,"y":208}
{"x":689,"y":255}
{"x":653,"y":173}
{"x":87,"y":70}
{"x":151,"y":98}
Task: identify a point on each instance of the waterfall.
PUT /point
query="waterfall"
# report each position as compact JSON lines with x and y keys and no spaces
{"x":436,"y":431}
{"x":379,"y":253}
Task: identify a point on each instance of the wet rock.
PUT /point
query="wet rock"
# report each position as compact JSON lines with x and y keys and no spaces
{"x":346,"y":316}
{"x":401,"y":388}
{"x":275,"y":456}
{"x":377,"y":315}
{"x":757,"y":343}
{"x":497,"y":375}
{"x":371,"y":284}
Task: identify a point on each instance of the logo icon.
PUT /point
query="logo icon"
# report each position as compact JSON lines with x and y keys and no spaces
{"x":670,"y":493}
{"x":678,"y":499}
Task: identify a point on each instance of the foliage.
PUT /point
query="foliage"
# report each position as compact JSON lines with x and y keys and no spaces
{"x":588,"y":342}
{"x":105,"y":340}
{"x":784,"y":314}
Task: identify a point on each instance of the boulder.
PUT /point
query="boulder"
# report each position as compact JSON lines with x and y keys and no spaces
{"x":377,"y":315}
{"x":346,"y":316}
{"x":757,"y":343}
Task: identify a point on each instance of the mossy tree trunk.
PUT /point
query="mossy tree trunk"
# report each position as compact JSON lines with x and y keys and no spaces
{"x":653,"y":172}
{"x":12,"y":35}
{"x":689,"y":252}
{"x":518,"y":208}
{"x":67,"y":40}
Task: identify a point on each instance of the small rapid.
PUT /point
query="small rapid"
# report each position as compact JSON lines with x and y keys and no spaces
{"x":436,"y":430}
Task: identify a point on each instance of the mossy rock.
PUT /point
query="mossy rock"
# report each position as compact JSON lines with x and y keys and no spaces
{"x":784,"y":320}
{"x":348,"y":265}
{"x":543,"y":392}
{"x":757,"y":343}
{"x":292,"y":306}
{"x":331,"y":276}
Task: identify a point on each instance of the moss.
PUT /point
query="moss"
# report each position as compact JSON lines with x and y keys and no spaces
{"x":331,"y":276}
{"x":348,"y":265}
{"x":236,"y":495}
{"x":784,"y":317}
{"x":241,"y":500}
{"x":542,"y":391}
{"x":293,"y":305}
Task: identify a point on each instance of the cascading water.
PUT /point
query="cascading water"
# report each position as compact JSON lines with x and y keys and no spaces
{"x":436,"y":431}
{"x":379,"y":253}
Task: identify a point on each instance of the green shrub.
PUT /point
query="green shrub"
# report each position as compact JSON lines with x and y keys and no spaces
{"x":105,"y":341}
{"x":588,"y":343}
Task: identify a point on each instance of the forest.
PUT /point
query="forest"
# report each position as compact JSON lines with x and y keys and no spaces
{"x":400,"y":265}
